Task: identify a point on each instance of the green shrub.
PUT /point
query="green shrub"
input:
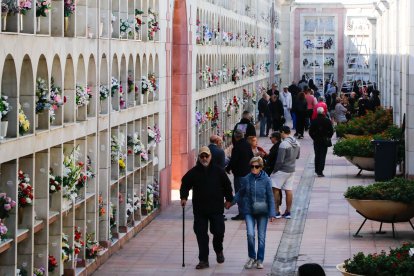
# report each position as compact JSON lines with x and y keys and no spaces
{"x":355,"y":146}
{"x":397,"y":189}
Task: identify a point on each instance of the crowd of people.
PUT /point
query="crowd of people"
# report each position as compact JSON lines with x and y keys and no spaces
{"x":262,"y":179}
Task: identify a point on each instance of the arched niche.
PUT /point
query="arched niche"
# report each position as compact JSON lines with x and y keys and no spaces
{"x":115,"y":77}
{"x":27,"y":91}
{"x":106,"y":86}
{"x":42,"y":89}
{"x":131,"y":84}
{"x":91,"y":83}
{"x":138,"y":95}
{"x":69,"y":91}
{"x":81,"y":112}
{"x":157,"y":75}
{"x":56,"y":92}
{"x":9,"y":123}
{"x":145,"y":74}
{"x":151,"y":96}
{"x":123,"y":81}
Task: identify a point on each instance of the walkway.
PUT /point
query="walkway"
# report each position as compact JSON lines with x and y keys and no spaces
{"x":326,"y":237}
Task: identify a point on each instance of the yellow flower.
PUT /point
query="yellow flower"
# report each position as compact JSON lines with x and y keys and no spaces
{"x":121,"y":164}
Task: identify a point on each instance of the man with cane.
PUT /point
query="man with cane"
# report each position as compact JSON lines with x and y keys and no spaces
{"x":210,"y":185}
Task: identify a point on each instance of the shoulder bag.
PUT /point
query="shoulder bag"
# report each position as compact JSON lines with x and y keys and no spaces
{"x":259,"y":207}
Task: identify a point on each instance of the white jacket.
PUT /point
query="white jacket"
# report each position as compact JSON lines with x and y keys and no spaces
{"x":286,"y":99}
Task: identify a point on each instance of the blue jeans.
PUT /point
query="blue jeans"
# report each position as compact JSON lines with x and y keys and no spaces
{"x":293,"y":115}
{"x":237,"y":186}
{"x":261,"y":221}
{"x":263,"y":126}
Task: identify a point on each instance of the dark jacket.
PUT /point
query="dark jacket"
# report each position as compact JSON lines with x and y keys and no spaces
{"x":276,"y":109}
{"x":270,"y":92}
{"x":210,"y":185}
{"x":271,"y":158}
{"x":240,"y":158}
{"x":217,"y":155}
{"x":301,"y":106}
{"x":262,"y":107}
{"x":321,"y":129}
{"x":246,"y":126}
{"x":256,"y":188}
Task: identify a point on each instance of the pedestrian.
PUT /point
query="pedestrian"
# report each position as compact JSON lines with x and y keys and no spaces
{"x":276,"y":112}
{"x":340,"y":112}
{"x":217,"y":153}
{"x":284,"y":171}
{"x":210,"y":186}
{"x":245,"y":125}
{"x":273,"y":90}
{"x":301,"y":111}
{"x":257,"y":151}
{"x":321,"y":131}
{"x":239,"y":164}
{"x":294,"y":91}
{"x":303,"y":83}
{"x":311,"y":101}
{"x":270,"y":159}
{"x":258,"y":208}
{"x":286,"y":99}
{"x":321,"y":103}
{"x":374,"y":100}
{"x":363,"y":105}
{"x":262,"y":108}
{"x":313,"y":87}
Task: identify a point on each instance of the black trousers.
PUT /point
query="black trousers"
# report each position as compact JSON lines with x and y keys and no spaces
{"x":268,"y":125}
{"x":217,"y":228}
{"x":300,"y":122}
{"x":320,"y":156}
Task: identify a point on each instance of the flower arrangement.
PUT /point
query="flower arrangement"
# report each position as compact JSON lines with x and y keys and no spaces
{"x":329,"y":61}
{"x":156,"y":193}
{"x":55,"y":183}
{"x":25,"y":6}
{"x":122,"y":103}
{"x":112,"y":215}
{"x":67,"y":251}
{"x":39,"y":271}
{"x":24,"y":123}
{"x":146,"y":85}
{"x":10,"y":7}
{"x":43,"y":102}
{"x":151,"y":136}
{"x":92,"y":248}
{"x":82,"y":95}
{"x":3,"y":231}
{"x":235,"y":75}
{"x":52,"y":264}
{"x":4,"y":107}
{"x":69,"y":8}
{"x":42,"y":7}
{"x":397,"y":262}
{"x":133,"y":204}
{"x":153,"y":25}
{"x":25,"y":192}
{"x":103,"y":92}
{"x":144,"y":155}
{"x":6,"y":205}
{"x":78,"y":242}
{"x":153,"y":80}
{"x":125,"y":27}
{"x":138,"y":21}
{"x":131,"y":86}
{"x":56,"y":100}
{"x":117,"y":156}
{"x":215,"y":117}
{"x":134,"y":144}
{"x":114,"y":86}
{"x":72,"y":174}
{"x":236,"y":104}
{"x":102,"y":210}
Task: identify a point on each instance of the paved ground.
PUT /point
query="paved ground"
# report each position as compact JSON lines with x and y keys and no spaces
{"x":325,"y":239}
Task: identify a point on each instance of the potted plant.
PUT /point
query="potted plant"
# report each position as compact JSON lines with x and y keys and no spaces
{"x":357,"y":150}
{"x":389,"y":201}
{"x":4,"y":110}
{"x":397,"y":262}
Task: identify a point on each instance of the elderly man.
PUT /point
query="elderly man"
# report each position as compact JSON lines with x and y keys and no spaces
{"x":286,"y":99}
{"x":217,"y":153}
{"x":210,"y":186}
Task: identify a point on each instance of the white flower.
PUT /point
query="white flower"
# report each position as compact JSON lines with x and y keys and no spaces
{"x":52,"y":188}
{"x":28,"y":200}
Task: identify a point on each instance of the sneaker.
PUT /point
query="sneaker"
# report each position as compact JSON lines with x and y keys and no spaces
{"x":250,"y":263}
{"x":286,"y":215}
{"x":278,"y":215}
{"x":259,"y":265}
{"x":202,"y":265}
{"x":220,"y":257}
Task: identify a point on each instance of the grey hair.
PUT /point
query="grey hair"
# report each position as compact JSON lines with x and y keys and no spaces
{"x":257,"y":159}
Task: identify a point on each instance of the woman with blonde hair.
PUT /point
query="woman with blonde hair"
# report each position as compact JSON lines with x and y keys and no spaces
{"x":258,"y":207}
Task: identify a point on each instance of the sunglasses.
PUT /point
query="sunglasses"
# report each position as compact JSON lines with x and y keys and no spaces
{"x":204,"y":156}
{"x":255,"y":166}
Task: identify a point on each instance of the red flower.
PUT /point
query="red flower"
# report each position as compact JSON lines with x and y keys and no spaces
{"x":22,"y":200}
{"x":80,"y":164}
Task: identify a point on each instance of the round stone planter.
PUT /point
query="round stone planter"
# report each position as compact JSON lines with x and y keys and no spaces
{"x":363,"y":163}
{"x":383,"y":210}
{"x":341,"y":268}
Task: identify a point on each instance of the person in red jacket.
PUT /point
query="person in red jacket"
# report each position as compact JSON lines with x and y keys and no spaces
{"x":321,"y":103}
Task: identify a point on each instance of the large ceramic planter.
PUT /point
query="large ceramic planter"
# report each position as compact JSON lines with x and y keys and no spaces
{"x":383,"y":210}
{"x":363,"y":163}
{"x":341,"y":268}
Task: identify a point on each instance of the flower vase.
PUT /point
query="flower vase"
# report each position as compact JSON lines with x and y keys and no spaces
{"x":4,"y":20}
{"x":66,"y":24}
{"x":38,"y":24}
{"x":3,"y":129}
{"x":21,"y":21}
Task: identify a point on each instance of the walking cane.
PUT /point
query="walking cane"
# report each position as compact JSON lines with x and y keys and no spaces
{"x":183,"y":232}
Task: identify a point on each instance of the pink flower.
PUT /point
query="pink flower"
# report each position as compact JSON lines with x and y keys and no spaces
{"x":7,"y":207}
{"x":13,"y":203}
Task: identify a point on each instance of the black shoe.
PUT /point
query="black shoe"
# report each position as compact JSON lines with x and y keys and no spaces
{"x":238,"y":217}
{"x":296,"y":134}
{"x":202,"y":265}
{"x":321,"y":175}
{"x":220,"y":257}
{"x":224,"y":217}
